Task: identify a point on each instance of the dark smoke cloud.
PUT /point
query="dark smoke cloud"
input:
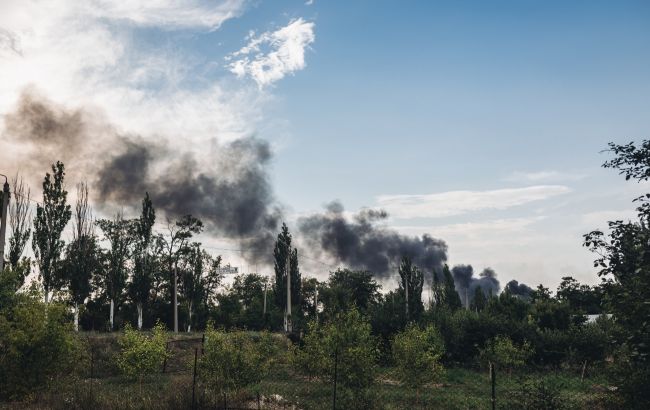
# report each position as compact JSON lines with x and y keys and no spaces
{"x":232,"y":194}
{"x":519,"y":289}
{"x":466,"y":283}
{"x":234,"y":197}
{"x":362,"y":244}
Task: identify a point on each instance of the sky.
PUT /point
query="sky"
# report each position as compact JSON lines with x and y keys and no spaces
{"x":480,"y":123}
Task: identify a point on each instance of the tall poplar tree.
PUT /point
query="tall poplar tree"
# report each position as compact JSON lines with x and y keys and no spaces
{"x":411,"y":282}
{"x":119,"y":234}
{"x":142,"y":281}
{"x":51,"y":218}
{"x":283,"y":253}
{"x":82,"y":257}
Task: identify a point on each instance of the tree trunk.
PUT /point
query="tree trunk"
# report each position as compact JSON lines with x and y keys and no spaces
{"x":76,"y":317}
{"x":139,"y":316}
{"x":111,"y":315}
{"x":189,"y":319}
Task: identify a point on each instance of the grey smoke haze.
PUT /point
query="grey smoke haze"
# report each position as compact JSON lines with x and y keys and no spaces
{"x":362,"y":244}
{"x":519,"y":289}
{"x":232,"y":195}
{"x":464,"y":280}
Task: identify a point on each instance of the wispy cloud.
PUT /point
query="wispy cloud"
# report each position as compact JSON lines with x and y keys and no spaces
{"x":452,"y":203}
{"x":272,"y":55}
{"x":168,"y":13}
{"x":544,"y":176}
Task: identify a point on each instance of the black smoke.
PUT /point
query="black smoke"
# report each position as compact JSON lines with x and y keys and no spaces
{"x":466,"y":283}
{"x":363,"y":244}
{"x":232,"y":193}
{"x":518,"y":289}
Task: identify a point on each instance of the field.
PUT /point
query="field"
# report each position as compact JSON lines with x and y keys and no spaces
{"x":283,"y":388}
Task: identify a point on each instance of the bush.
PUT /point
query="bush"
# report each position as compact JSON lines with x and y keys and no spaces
{"x":537,"y":394}
{"x":505,"y":354}
{"x":37,"y":346}
{"x":233,"y":361}
{"x":140,"y":354}
{"x":345,"y":343}
{"x":417,"y":354}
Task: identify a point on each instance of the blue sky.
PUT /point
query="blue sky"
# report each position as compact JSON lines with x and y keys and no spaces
{"x":478,"y":122}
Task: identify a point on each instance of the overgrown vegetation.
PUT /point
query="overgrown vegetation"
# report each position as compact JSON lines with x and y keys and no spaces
{"x":350,"y":338}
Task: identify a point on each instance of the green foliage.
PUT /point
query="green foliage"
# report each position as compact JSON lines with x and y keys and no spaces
{"x":550,"y":314}
{"x":451,"y":299}
{"x":283,"y":253}
{"x":235,"y":360}
{"x":411,"y":282}
{"x":537,"y":394}
{"x":51,"y":218}
{"x":347,"y":345}
{"x":505,"y":354}
{"x":37,"y":346}
{"x":347,"y":289}
{"x":140,"y":354}
{"x":416,"y":354}
{"x":479,"y":301}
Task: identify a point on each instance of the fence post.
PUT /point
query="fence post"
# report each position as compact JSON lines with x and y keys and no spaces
{"x":336,"y":363}
{"x":225,"y":402}
{"x":493,"y":378}
{"x":196,"y":355}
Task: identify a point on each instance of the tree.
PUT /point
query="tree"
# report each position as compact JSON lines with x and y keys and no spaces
{"x":175,"y":244}
{"x":199,"y":278}
{"x":347,"y":345}
{"x":284,"y":254}
{"x":417,"y":355}
{"x":142,"y":281}
{"x":582,"y":299}
{"x":19,"y":222}
{"x":480,"y":301}
{"x":347,"y":289}
{"x":623,"y":257}
{"x":505,"y":354}
{"x":235,"y":360}
{"x":119,"y":233}
{"x":411,"y":282}
{"x":82,"y":257}
{"x":451,"y":297}
{"x":51,"y":218}
{"x":142,"y":355}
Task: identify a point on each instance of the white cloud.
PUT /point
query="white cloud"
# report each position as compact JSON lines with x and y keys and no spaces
{"x":461,"y":202}
{"x":83,"y":55}
{"x":167,"y":13}
{"x":544,"y":176}
{"x":287,"y":53}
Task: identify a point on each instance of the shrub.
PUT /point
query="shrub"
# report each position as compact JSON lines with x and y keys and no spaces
{"x":537,"y":394}
{"x":505,"y":354}
{"x":37,"y":346}
{"x":233,"y":361}
{"x":347,"y":345}
{"x":140,"y":354}
{"x":417,"y":354}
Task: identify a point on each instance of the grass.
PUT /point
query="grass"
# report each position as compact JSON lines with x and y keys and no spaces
{"x":462,"y":388}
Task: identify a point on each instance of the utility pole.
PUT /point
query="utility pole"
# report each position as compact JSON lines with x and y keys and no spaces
{"x":316,"y":302}
{"x":264,"y":312}
{"x":287,"y":312}
{"x":176,"y":297}
{"x":3,"y":225}
{"x":406,"y":289}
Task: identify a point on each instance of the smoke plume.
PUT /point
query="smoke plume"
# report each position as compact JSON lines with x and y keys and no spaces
{"x":362,"y":244}
{"x":466,"y":283}
{"x":231,"y":192}
{"x":518,"y":289}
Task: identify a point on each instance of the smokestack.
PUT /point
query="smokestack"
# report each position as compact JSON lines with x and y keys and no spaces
{"x":467,"y":298}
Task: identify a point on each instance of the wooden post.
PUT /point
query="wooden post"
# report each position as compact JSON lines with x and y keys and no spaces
{"x":493,"y":378}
